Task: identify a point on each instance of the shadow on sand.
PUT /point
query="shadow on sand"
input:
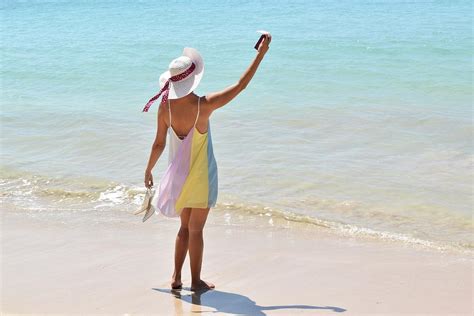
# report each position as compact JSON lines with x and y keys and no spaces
{"x":231,"y":303}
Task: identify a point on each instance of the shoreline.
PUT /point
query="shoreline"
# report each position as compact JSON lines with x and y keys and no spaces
{"x":52,"y":266}
{"x":32,"y":192}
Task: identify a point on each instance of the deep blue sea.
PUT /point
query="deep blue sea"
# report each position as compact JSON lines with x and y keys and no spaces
{"x":359,"y":118}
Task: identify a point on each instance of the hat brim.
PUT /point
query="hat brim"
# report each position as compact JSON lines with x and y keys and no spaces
{"x":184,"y":87}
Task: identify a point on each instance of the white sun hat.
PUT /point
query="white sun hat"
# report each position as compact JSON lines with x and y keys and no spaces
{"x":182,"y":77}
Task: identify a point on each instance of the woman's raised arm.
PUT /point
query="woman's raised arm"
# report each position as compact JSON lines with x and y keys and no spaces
{"x":218,"y":99}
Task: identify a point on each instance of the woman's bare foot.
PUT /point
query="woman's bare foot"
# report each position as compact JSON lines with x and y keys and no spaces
{"x":202,"y":285}
{"x":176,"y":283}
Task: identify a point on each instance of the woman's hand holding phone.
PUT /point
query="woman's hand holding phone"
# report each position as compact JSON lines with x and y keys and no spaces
{"x":263,"y":43}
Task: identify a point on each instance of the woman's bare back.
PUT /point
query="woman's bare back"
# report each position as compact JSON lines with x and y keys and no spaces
{"x":183,"y":115}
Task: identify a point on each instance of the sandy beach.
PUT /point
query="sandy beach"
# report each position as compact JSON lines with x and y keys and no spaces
{"x":124,"y":267}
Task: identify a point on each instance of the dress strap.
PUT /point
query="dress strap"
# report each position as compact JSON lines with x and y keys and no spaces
{"x":169,"y":110}
{"x":197,"y":116}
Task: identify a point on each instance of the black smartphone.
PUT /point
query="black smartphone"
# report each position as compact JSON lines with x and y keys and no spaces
{"x":259,"y":41}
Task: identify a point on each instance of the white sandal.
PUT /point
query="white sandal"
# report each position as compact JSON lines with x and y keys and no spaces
{"x":147,"y":205}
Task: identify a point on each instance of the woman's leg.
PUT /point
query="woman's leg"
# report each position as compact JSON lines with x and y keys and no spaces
{"x":181,"y":248}
{"x":196,"y":247}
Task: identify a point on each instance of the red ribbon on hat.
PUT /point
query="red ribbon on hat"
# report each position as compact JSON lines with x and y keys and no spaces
{"x":166,"y":87}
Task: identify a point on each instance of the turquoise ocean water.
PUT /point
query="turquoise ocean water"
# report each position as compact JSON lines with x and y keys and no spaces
{"x":359,"y":118}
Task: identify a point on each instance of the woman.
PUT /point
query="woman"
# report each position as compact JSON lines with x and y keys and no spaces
{"x":189,"y":186}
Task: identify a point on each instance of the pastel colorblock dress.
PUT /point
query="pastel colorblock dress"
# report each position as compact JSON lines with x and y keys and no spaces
{"x":191,"y":177}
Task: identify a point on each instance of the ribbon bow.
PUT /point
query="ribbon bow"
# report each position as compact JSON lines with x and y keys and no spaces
{"x":166,"y":88}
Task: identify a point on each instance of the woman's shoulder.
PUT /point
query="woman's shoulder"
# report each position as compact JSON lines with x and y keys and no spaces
{"x":163,"y":112}
{"x":205,"y":104}
{"x":162,"y":108}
